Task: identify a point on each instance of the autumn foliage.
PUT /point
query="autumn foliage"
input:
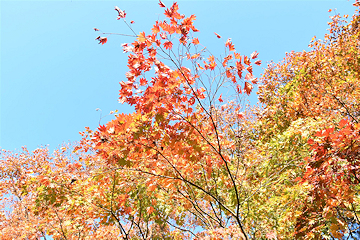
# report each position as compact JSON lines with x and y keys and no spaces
{"x":312,"y":106}
{"x":194,"y":161}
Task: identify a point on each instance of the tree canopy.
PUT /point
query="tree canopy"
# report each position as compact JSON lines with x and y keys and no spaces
{"x":195,"y":160}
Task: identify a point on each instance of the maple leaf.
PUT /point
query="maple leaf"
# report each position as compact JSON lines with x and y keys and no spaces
{"x":155,"y":29}
{"x":121,"y":13}
{"x":258,"y":62}
{"x":102,"y":128}
{"x":238,"y":89}
{"x":144,"y":162}
{"x":127,"y":48}
{"x":247,"y":60}
{"x":150,"y":210}
{"x":254,"y":55}
{"x":250,"y":69}
{"x":342,"y":123}
{"x":249,"y":77}
{"x":191,"y":101}
{"x":143,"y":81}
{"x":122,"y":100}
{"x":248,"y":88}
{"x":141,"y":37}
{"x":163,"y":35}
{"x":220,"y":98}
{"x":217,"y":35}
{"x":239,"y":66}
{"x":230,"y":45}
{"x":168,"y":45}
{"x":101,"y":40}
{"x":168,"y":13}
{"x":172,"y":12}
{"x":195,"y":41}
{"x":161,"y":4}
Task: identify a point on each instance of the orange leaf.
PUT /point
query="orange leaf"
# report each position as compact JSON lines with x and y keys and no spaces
{"x":155,"y":29}
{"x":150,"y":210}
{"x":141,"y":38}
{"x":168,"y":45}
{"x":248,"y":88}
{"x":247,"y":60}
{"x":230,"y":45}
{"x":195,"y":41}
{"x":342,"y":123}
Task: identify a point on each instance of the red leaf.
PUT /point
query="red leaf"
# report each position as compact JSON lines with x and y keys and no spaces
{"x":217,"y":35}
{"x":238,"y":89}
{"x":247,"y":60}
{"x":191,"y":101}
{"x":143,"y":81}
{"x":342,"y":123}
{"x":241,"y":115}
{"x":249,"y":77}
{"x":250,"y":69}
{"x":168,"y":45}
{"x":102,"y":128}
{"x":200,"y":93}
{"x":248,"y":88}
{"x":121,"y":13}
{"x":230,"y":45}
{"x":220,"y":98}
{"x":298,"y":179}
{"x":258,"y":62}
{"x":161,"y":4}
{"x":254,"y":55}
{"x":101,"y":40}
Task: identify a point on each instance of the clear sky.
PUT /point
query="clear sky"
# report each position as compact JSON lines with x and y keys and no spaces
{"x":54,"y":74}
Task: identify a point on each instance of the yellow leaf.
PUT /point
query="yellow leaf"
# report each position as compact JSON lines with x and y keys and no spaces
{"x":141,"y":38}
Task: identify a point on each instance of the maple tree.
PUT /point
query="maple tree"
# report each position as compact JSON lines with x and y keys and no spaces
{"x":193,"y":161}
{"x":172,"y":169}
{"x":310,"y":124}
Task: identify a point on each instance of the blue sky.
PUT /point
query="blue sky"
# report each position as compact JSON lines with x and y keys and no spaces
{"x":54,"y":74}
